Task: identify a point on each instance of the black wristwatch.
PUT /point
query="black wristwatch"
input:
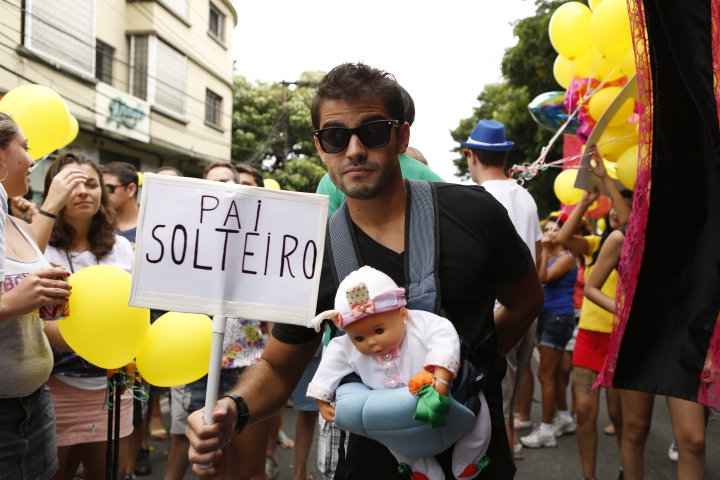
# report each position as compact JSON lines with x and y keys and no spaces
{"x":243,"y":413}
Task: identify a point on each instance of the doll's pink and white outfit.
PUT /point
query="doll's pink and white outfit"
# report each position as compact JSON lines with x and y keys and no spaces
{"x":429,"y":340}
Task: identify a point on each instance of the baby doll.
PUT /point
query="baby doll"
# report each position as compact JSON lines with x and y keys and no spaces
{"x":387,"y":345}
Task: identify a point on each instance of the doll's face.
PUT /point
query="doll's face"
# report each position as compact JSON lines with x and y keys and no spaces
{"x":378,"y":334}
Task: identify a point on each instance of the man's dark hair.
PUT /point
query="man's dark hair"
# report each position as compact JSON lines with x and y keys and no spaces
{"x":409,"y":106}
{"x":125,"y":172}
{"x":168,"y":167}
{"x":244,"y":168}
{"x":224,"y":165}
{"x":352,"y":82}
{"x":489,"y":158}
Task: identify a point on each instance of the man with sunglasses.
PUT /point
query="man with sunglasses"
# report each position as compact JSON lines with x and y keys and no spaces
{"x":360,"y":117}
{"x":121,"y":182}
{"x":412,"y":164}
{"x":486,"y":151}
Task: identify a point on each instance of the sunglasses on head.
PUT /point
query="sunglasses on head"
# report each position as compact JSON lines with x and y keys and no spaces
{"x":111,"y":188}
{"x":372,"y":134}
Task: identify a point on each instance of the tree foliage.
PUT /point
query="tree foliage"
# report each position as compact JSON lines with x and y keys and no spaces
{"x":272,"y":131}
{"x":527,"y":69}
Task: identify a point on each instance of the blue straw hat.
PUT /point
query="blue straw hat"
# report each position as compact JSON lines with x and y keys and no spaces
{"x":488,"y":135}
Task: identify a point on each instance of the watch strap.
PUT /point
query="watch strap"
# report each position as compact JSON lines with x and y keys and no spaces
{"x":243,"y":412}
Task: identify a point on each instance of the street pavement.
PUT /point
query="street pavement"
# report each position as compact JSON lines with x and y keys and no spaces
{"x":562,"y":462}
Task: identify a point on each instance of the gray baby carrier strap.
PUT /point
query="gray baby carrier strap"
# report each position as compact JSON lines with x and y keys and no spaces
{"x":421,"y":246}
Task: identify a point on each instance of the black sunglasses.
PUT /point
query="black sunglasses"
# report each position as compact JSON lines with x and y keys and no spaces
{"x":372,"y":134}
{"x":111,"y":188}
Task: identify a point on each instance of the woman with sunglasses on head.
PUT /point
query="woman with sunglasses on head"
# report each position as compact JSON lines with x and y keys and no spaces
{"x":83,"y":235}
{"x":27,"y":420}
{"x":688,"y":418}
{"x":595,"y":323}
{"x":557,"y":272}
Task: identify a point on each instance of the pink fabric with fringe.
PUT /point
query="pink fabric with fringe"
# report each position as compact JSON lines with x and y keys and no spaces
{"x":709,"y":393}
{"x":634,"y":246}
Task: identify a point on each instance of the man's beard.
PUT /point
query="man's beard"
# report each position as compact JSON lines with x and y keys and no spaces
{"x":360,"y":191}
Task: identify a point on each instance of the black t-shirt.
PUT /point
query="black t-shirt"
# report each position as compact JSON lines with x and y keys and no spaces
{"x":479,"y":249}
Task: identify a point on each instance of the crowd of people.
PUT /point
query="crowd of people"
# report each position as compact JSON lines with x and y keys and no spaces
{"x":476,"y":255}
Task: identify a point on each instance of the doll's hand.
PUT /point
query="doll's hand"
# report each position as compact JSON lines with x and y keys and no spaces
{"x":327,"y":411}
{"x":420,"y":379}
{"x":441,"y":380}
{"x":440,"y":387}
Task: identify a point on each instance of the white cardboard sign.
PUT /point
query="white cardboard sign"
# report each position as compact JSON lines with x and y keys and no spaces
{"x":230,"y":250}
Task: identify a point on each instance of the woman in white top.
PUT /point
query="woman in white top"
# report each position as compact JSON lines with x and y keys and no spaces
{"x":82,"y":235}
{"x":27,"y":420}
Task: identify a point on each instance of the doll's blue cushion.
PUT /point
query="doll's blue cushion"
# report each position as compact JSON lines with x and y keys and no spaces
{"x":387,"y":417}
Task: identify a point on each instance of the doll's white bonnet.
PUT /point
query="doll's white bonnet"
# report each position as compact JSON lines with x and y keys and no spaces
{"x":364,"y":292}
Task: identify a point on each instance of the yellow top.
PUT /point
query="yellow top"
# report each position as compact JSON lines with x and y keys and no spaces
{"x":592,"y":316}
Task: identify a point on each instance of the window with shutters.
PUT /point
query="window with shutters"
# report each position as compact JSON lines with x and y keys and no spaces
{"x":159,"y":73}
{"x":62,"y":31}
{"x":213,"y":107}
{"x":103,"y":61}
{"x":217,"y":20}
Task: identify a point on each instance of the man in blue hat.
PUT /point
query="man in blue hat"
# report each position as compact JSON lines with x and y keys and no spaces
{"x":486,"y":153}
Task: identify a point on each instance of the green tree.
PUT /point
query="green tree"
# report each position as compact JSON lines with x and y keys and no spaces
{"x":527,"y":70}
{"x":272,"y":130}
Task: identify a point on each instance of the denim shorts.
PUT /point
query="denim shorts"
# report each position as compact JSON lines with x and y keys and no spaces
{"x":28,"y":447}
{"x":555,"y":331}
{"x":301,"y":401}
{"x":194,"y":395}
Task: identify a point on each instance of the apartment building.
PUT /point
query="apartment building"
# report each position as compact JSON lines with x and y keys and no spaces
{"x":150,"y":81}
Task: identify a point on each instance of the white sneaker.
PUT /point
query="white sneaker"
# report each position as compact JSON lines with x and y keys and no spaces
{"x":539,"y":439}
{"x":562,"y":426}
{"x":673,"y":451}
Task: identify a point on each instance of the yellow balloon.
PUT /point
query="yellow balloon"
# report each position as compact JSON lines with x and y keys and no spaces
{"x":611,"y":168}
{"x":601,"y":100}
{"x":615,"y":140}
{"x":271,"y":183}
{"x":601,"y":225}
{"x":41,"y":114}
{"x":606,"y":67}
{"x":176,"y":350}
{"x":583,"y":64}
{"x":570,"y":29}
{"x":72,"y":132}
{"x":563,"y":71}
{"x":627,"y":63}
{"x":564,"y":187}
{"x":627,"y":167}
{"x":610,"y":27}
{"x":101,"y":327}
{"x":594,"y":4}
